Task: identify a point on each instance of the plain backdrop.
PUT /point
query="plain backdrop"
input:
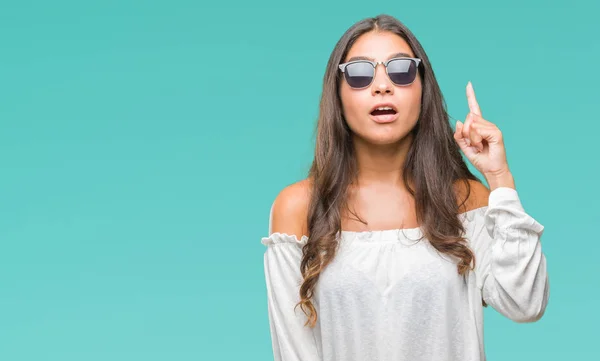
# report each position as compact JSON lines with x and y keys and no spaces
{"x":143,"y":143}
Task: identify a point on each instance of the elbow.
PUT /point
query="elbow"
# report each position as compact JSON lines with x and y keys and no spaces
{"x":528,"y":304}
{"x":534,"y":310}
{"x":523,"y":309}
{"x":530,"y":315}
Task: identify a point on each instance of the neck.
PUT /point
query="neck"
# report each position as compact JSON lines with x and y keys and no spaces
{"x":381,"y":164}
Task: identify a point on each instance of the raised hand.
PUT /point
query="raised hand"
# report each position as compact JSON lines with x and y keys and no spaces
{"x":481,"y":141}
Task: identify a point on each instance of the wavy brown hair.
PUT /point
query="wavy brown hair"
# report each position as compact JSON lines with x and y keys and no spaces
{"x":431,"y":171}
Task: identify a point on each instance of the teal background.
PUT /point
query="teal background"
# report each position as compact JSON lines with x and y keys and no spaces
{"x":142,"y":144}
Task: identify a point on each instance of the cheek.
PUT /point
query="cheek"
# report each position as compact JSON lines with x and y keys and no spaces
{"x":350,"y":103}
{"x":412,"y":99}
{"x":415,"y":102}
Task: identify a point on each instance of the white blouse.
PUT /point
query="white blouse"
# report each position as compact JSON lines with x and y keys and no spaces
{"x":387,"y":296}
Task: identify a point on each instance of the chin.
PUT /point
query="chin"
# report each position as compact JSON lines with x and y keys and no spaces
{"x":384,"y":139}
{"x":383,"y":134}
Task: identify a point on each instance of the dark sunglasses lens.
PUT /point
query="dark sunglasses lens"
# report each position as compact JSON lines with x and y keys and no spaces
{"x":402,"y":71}
{"x":359,"y":75}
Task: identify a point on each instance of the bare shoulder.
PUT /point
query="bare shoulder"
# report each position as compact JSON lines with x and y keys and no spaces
{"x":290,"y":209}
{"x":476,"y":198}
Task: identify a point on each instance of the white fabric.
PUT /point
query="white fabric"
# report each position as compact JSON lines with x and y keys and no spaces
{"x":388,"y":297}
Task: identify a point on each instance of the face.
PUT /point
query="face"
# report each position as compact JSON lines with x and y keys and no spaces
{"x":357,"y":104}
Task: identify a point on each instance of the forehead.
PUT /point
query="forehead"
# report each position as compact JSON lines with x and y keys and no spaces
{"x":379,"y":46}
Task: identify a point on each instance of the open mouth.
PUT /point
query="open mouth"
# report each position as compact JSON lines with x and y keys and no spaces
{"x":384,"y":114}
{"x":383,"y":111}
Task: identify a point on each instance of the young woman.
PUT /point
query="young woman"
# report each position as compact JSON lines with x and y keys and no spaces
{"x":391,"y":246}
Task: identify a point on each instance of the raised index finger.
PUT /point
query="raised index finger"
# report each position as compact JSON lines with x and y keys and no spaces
{"x":473,"y":105}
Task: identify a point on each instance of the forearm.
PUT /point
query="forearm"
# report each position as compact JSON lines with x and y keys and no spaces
{"x":517,"y":280}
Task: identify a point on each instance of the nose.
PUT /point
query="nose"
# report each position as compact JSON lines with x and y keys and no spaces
{"x":381,"y":83}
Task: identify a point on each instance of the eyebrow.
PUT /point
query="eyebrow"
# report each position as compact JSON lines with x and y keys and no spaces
{"x":396,"y":55}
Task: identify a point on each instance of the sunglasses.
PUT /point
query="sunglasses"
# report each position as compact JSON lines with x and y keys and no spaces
{"x":360,"y":73}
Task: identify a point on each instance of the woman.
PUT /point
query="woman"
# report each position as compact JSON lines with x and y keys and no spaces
{"x":391,"y":246}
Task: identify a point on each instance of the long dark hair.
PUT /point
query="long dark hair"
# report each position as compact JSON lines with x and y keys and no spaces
{"x":434,"y":166}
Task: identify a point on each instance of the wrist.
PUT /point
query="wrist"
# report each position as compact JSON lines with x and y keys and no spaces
{"x":500,"y":179}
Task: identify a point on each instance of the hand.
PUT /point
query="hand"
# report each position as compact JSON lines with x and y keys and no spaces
{"x":481,"y":141}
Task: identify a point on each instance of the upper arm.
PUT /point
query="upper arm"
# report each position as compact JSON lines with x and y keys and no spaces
{"x":289,"y":210}
{"x":477,"y":197}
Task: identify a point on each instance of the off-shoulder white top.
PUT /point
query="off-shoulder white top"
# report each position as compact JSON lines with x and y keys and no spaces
{"x":387,"y":296}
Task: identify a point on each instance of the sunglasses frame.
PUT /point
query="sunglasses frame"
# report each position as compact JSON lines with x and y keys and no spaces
{"x":343,"y":66}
